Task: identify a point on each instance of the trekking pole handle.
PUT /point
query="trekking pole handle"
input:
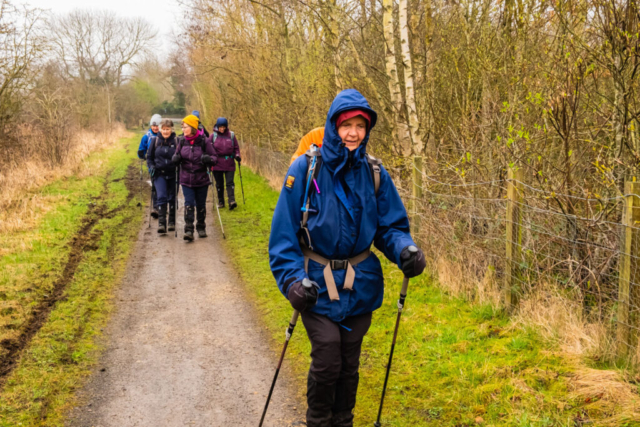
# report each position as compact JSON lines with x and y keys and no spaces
{"x":292,"y":324}
{"x":403,"y":293}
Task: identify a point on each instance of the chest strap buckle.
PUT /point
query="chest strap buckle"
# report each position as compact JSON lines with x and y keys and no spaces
{"x":339,"y":264}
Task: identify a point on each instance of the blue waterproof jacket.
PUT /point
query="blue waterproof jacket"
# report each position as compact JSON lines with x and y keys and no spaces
{"x":346,"y":217}
{"x":144,"y":143}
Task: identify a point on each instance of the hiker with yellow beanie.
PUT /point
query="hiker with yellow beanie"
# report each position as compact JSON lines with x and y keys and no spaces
{"x":194,"y":155}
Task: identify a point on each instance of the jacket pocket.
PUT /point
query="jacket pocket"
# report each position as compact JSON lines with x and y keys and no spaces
{"x":368,"y":287}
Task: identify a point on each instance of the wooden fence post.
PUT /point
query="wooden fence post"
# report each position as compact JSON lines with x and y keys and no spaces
{"x":629,"y":268}
{"x":417,"y":195}
{"x":512,"y":286}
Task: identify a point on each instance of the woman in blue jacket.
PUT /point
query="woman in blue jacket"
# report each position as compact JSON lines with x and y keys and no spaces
{"x":323,"y":227}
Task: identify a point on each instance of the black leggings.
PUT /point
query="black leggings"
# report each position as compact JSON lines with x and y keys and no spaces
{"x":220,"y":177}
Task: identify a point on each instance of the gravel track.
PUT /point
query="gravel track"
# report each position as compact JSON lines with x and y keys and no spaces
{"x":184,"y":347}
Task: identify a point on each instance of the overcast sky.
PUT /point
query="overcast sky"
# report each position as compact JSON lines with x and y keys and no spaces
{"x":164,"y":14}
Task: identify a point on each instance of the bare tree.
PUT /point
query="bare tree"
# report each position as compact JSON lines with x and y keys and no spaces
{"x":97,"y":47}
{"x":19,"y":46}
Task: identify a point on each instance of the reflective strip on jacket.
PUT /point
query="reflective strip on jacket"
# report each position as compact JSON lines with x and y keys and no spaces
{"x":346,"y":217}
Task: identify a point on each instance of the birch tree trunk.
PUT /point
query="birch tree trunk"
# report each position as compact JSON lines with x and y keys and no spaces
{"x":401,"y":128}
{"x":412,"y":111}
{"x":334,"y":42}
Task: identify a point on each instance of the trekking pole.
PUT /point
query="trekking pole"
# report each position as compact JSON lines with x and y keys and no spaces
{"x":241,"y":186}
{"x":150,"y":200}
{"x":140,"y":184}
{"x":217,"y":208}
{"x":175,"y":205}
{"x":289,"y":332}
{"x":403,"y":296}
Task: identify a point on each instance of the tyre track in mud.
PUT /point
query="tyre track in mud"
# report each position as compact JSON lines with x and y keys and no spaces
{"x":184,"y":346}
{"x":83,"y":241}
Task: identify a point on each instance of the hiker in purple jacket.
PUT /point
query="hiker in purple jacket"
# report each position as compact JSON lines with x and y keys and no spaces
{"x":226,"y":146}
{"x":194,"y":155}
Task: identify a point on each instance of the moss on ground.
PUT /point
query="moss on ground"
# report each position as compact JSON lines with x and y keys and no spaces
{"x":60,"y":355}
{"x":456,"y":363}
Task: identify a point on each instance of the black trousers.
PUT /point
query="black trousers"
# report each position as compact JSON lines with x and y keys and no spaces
{"x":333,"y":376}
{"x":220,"y":177}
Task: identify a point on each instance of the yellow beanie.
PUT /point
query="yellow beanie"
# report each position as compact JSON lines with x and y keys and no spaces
{"x":191,"y":120}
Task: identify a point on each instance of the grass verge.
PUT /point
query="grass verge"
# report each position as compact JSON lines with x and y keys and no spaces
{"x":456,"y":363}
{"x":56,"y":285}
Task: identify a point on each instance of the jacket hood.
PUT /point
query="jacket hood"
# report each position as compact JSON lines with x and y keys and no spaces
{"x":222,"y":122}
{"x":334,"y":152}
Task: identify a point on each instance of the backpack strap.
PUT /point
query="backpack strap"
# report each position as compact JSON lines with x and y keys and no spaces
{"x":215,"y":136}
{"x":374,"y":167}
{"x":314,"y":163}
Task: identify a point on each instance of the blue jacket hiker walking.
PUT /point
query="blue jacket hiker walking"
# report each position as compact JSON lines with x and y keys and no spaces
{"x":335,"y":203}
{"x":143,"y":148}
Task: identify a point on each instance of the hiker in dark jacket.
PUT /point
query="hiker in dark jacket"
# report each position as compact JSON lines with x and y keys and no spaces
{"x":200,"y":125}
{"x":226,"y":145}
{"x":195,"y":155}
{"x":322,"y":261}
{"x":153,"y":131}
{"x":163,"y":173}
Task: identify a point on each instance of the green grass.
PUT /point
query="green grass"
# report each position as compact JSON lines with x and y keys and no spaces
{"x":60,"y":355}
{"x":456,"y":363}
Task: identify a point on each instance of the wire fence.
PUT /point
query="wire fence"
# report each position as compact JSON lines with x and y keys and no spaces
{"x":505,"y":241}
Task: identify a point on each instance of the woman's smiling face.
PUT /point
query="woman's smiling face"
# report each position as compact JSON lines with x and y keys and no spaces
{"x":353,"y":131}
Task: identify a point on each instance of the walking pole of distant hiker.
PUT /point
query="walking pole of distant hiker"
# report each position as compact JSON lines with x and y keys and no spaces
{"x":216,"y":205}
{"x":241,"y":185}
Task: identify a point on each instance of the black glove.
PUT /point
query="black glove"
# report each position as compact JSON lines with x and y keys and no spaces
{"x":303,"y":295}
{"x":412,"y":261}
{"x":142,"y":154}
{"x":238,"y":159}
{"x":177,"y":158}
{"x":152,"y":172}
{"x":206,"y":160}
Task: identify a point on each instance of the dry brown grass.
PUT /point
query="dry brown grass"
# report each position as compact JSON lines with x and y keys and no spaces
{"x":20,"y":206}
{"x":559,"y":317}
{"x":456,"y":280}
{"x":611,"y":400}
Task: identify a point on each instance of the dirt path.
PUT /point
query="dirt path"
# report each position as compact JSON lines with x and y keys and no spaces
{"x":184,"y":347}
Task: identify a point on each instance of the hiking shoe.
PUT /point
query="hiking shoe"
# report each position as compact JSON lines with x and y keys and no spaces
{"x":221,"y":204}
{"x":162,"y":229}
{"x":154,"y":213}
{"x":232,"y":205}
{"x":188,"y":236}
{"x":202,"y":234}
{"x":172,"y":226}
